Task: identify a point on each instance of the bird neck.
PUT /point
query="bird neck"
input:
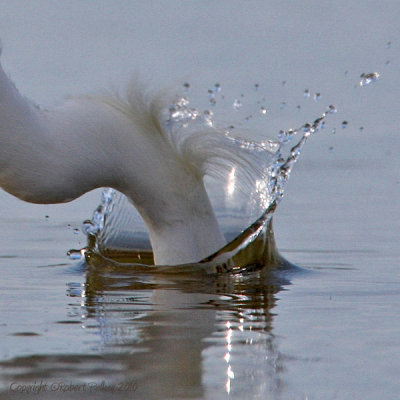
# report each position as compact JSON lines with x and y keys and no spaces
{"x":181,"y":222}
{"x":53,"y":157}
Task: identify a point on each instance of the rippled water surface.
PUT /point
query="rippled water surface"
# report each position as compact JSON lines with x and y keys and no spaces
{"x":328,"y":329}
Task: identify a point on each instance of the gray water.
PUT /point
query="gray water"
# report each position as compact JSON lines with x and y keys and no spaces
{"x":329,"y":330}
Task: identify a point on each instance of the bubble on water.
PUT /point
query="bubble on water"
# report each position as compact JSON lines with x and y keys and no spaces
{"x":344,"y":124}
{"x":366,"y":79}
{"x":317,"y":96}
{"x":237,"y":104}
{"x":306,"y":93}
{"x":263,"y":110}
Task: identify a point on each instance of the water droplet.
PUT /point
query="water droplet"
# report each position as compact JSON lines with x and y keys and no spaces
{"x":319,"y":123}
{"x":286,"y":136}
{"x":306,"y":93}
{"x":237,"y":104}
{"x":211,"y":97}
{"x":217,"y":88}
{"x":344,"y":124}
{"x":208,"y":117}
{"x":75,"y":254}
{"x":317,"y":96}
{"x":332,"y":109}
{"x":366,"y":79}
{"x":263,"y":110}
{"x":182,"y":102}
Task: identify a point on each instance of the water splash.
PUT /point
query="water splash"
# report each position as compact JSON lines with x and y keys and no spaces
{"x":369,"y":78}
{"x":237,"y":104}
{"x":244,"y":200}
{"x":317,"y":96}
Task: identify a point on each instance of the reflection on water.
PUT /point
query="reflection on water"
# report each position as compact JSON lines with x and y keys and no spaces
{"x":185,"y":335}
{"x":167,"y":332}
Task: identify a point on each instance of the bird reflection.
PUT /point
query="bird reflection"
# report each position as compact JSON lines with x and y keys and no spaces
{"x":158,"y":336}
{"x":190,"y":335}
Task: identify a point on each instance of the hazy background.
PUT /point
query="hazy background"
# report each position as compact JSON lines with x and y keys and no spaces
{"x":335,"y":328}
{"x":54,"y":49}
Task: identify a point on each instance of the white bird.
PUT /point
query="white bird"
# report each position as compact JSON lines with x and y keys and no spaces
{"x":107,"y":141}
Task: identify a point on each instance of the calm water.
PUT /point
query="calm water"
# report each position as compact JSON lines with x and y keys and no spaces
{"x":328,"y":330}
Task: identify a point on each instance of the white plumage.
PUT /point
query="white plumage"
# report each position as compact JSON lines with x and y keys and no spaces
{"x":124,"y":143}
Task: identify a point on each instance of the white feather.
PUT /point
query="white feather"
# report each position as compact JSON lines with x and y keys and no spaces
{"x":125,"y":143}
